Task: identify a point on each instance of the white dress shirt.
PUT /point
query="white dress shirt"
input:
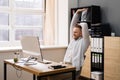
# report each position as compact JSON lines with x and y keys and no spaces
{"x":77,"y":48}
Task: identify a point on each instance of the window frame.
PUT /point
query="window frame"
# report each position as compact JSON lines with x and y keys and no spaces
{"x":11,"y":10}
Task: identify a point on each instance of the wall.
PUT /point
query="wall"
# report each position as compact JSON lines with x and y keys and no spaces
{"x":54,"y":54}
{"x":110,"y":12}
{"x":63,"y":20}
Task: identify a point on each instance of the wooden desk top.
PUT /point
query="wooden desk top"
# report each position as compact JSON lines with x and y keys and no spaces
{"x":40,"y":69}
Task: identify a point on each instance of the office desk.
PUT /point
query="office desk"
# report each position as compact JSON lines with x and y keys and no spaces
{"x":39,"y":70}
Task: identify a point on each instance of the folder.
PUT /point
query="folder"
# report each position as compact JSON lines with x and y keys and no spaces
{"x":101,"y":45}
{"x":100,"y":58}
{"x":98,"y":44}
{"x":95,"y":44}
{"x":92,"y":42}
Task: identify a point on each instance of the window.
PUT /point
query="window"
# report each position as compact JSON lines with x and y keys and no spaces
{"x":21,"y":17}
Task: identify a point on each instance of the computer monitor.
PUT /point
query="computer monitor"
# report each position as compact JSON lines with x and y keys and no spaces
{"x":31,"y":45}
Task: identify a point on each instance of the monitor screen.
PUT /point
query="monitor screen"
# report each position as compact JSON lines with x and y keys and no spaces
{"x":31,"y":45}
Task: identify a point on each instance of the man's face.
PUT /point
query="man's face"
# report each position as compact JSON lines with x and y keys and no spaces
{"x":77,"y":33}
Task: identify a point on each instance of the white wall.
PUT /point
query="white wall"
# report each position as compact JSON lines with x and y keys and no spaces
{"x":63,"y":19}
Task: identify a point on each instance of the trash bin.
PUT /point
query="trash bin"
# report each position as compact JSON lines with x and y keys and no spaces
{"x":95,"y":75}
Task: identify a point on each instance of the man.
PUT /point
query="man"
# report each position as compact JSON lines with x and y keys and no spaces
{"x":79,"y":44}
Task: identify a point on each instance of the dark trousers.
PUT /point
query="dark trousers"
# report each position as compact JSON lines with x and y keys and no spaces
{"x":77,"y":75}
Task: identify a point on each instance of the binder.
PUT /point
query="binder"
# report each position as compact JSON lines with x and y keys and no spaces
{"x":92,"y":43}
{"x":101,"y":44}
{"x":95,"y":44}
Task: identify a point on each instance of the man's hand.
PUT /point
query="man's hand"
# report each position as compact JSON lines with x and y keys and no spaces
{"x":80,"y":10}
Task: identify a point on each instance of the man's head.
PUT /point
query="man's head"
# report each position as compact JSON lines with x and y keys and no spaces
{"x":77,"y":31}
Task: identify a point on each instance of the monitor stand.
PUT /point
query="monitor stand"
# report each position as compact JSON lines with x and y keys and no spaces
{"x":29,"y":61}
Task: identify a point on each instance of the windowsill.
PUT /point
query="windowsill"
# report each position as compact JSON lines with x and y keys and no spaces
{"x":53,"y":46}
{"x":18,"y":48}
{"x":6,"y":49}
